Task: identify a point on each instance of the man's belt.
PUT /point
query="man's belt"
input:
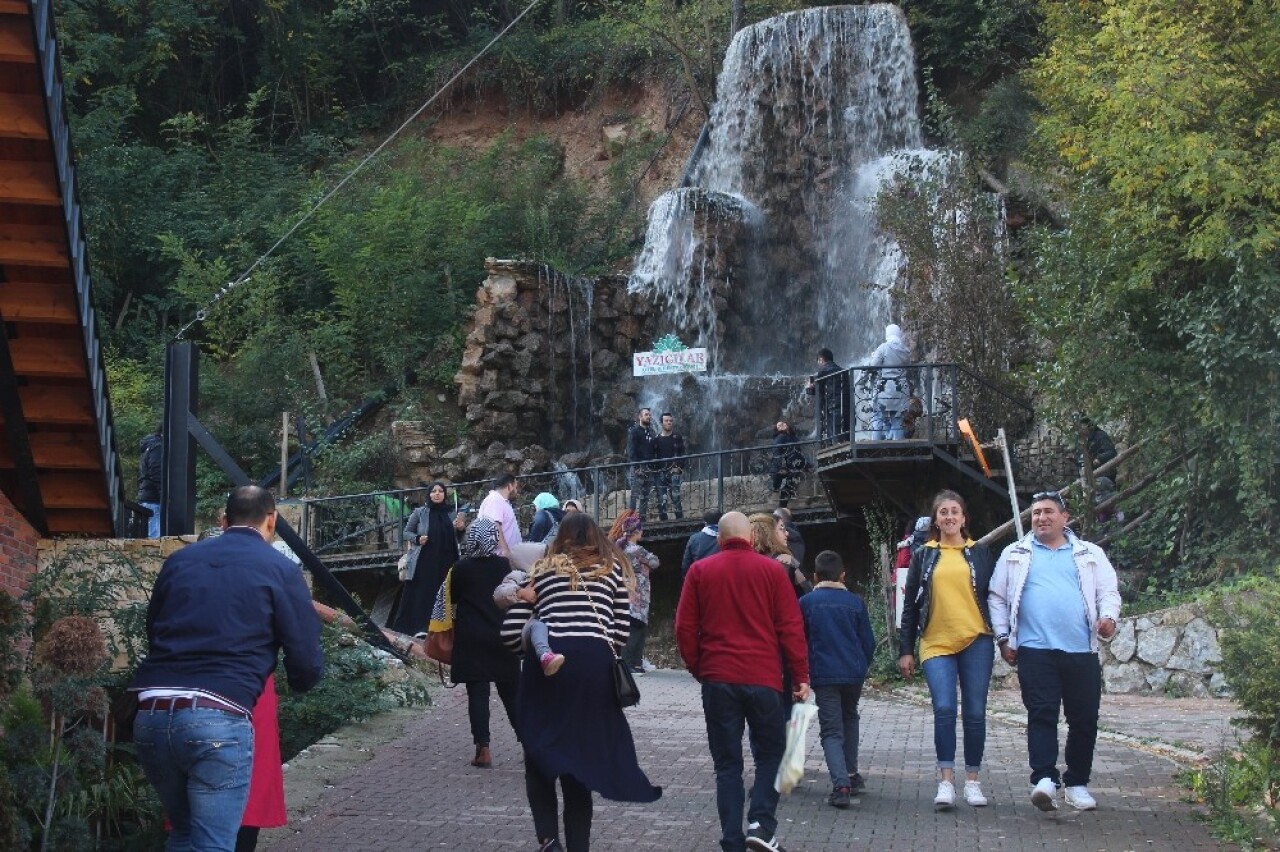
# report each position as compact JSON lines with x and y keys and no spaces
{"x":169,"y":703}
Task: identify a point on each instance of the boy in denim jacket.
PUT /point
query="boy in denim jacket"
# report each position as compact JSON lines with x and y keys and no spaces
{"x":841,"y":646}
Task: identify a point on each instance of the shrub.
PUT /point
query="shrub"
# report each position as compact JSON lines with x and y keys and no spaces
{"x":1251,"y":622}
{"x":353,"y":689}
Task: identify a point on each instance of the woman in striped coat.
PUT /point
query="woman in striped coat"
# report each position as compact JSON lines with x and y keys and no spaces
{"x":571,"y":725}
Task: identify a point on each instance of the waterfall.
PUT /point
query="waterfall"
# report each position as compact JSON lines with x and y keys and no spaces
{"x":570,"y":304}
{"x":774,"y":252}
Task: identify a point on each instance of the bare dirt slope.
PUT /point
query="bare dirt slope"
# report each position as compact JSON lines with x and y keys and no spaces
{"x":651,"y":110}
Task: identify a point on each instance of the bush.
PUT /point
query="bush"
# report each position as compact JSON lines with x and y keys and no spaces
{"x":1250,"y":616}
{"x":352,"y":690}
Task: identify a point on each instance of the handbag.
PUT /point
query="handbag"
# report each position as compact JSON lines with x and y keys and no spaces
{"x":405,"y":567}
{"x":440,"y":630}
{"x":440,"y":646}
{"x":624,"y":683}
{"x":625,"y":688}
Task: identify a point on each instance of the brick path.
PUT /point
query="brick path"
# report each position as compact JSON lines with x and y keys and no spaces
{"x":418,"y":792}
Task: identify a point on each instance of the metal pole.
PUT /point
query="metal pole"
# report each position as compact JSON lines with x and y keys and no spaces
{"x":181,"y":400}
{"x":1008,"y":478}
{"x":284,"y":455}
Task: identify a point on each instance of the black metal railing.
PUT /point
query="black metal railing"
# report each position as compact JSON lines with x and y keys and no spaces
{"x":919,"y":402}
{"x":752,"y":479}
{"x":73,"y":218}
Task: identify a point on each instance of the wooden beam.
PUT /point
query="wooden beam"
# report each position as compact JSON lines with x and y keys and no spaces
{"x":22,"y":117}
{"x":28,"y":183}
{"x":42,"y":357}
{"x":15,"y":7}
{"x":33,"y":245}
{"x":17,"y":42}
{"x":59,"y":405}
{"x":67,"y":490}
{"x":58,"y":451}
{"x":84,"y":521}
{"x":34,"y":302}
{"x":29,"y":498}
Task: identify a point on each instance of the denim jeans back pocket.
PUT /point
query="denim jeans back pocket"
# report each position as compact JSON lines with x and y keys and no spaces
{"x":219,"y":756}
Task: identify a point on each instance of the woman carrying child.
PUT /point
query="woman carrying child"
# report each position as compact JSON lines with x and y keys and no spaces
{"x":945,"y":606}
{"x":479,"y":657}
{"x":571,"y":725}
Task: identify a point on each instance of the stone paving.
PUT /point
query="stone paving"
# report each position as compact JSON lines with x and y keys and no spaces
{"x":419,"y":792}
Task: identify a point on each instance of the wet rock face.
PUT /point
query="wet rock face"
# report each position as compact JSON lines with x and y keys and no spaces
{"x":545,"y":358}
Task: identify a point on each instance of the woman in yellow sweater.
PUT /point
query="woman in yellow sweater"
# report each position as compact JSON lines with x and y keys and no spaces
{"x":945,"y":606}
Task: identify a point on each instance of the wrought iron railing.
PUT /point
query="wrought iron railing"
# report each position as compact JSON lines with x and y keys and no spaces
{"x":920,"y":402}
{"x":752,"y":479}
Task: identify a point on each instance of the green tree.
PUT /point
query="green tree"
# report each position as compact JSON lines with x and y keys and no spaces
{"x":1157,"y":137}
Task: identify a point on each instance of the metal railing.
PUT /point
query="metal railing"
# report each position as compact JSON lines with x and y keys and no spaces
{"x":749,"y":480}
{"x":918,"y":402}
{"x":73,"y":218}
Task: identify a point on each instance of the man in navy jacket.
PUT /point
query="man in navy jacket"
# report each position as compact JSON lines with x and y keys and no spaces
{"x":220,"y":612}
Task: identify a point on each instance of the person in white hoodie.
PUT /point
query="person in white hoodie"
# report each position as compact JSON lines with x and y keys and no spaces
{"x":1054,"y":643}
{"x":892,"y":388}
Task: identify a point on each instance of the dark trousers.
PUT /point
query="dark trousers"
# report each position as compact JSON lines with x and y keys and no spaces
{"x":668,"y":486}
{"x":542,"y":802}
{"x":1053,"y":679}
{"x":642,"y":481}
{"x":633,"y":651}
{"x":478,"y":707}
{"x":729,"y":707}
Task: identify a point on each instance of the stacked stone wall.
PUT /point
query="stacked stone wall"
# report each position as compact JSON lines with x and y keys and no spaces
{"x":1172,"y":651}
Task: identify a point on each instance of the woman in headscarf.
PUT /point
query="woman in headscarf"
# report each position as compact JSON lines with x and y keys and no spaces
{"x":546,"y":521}
{"x":571,"y":725}
{"x":479,"y":657}
{"x":432,"y":533}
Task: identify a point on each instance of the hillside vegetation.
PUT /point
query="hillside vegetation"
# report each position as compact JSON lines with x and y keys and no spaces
{"x":1137,"y":141}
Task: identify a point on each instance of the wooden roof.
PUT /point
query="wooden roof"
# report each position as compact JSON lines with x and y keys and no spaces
{"x":57,"y":456}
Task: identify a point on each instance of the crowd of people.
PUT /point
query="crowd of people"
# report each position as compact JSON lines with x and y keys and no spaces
{"x":546,"y":618}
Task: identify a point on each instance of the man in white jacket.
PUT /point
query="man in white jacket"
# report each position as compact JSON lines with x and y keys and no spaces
{"x":1053,"y":596}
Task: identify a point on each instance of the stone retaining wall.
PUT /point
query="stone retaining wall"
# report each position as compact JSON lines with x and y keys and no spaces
{"x":1171,"y":652}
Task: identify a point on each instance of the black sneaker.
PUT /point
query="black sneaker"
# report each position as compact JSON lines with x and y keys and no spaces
{"x":839,"y":798}
{"x":552,"y":845}
{"x":857,"y":784}
{"x":761,"y":841}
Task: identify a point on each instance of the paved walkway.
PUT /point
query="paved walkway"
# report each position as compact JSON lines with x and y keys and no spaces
{"x":418,"y":791}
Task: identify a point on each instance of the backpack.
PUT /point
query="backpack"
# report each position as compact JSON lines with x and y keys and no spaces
{"x":550,"y":536}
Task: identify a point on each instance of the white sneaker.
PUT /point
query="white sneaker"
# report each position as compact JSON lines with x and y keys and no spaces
{"x":946,"y":798}
{"x":973,"y":794}
{"x":646,"y":665}
{"x":1078,"y":797}
{"x":1045,"y":795}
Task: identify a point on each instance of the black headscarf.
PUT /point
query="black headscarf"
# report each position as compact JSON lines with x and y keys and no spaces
{"x":441,"y":548}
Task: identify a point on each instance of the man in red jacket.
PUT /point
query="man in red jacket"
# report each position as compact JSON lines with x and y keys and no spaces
{"x":736,"y":622}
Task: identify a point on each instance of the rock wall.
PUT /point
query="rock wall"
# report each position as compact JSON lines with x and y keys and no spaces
{"x":544,"y":369}
{"x":1172,"y":651}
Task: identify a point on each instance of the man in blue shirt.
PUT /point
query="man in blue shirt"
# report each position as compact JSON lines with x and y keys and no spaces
{"x":1052,"y":598}
{"x":220,"y":612}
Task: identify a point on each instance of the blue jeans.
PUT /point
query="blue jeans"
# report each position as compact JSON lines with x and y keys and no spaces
{"x":971,"y":669}
{"x":199,"y":761}
{"x":838,"y":724}
{"x":887,"y":423}
{"x":728,"y":707}
{"x":153,"y":522}
{"x":1053,"y":679}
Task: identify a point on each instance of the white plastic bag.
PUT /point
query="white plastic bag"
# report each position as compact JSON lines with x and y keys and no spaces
{"x":791,"y":770}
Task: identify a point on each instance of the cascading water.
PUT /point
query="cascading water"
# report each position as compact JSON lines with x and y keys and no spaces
{"x":570,"y":304}
{"x":806,"y":105}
